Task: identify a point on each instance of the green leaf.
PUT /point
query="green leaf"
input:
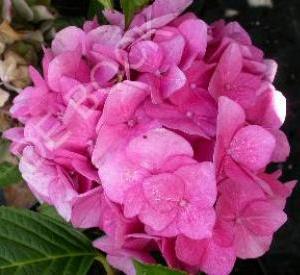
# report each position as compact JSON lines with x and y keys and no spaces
{"x":63,"y":22}
{"x":50,"y":211}
{"x":34,"y":244}
{"x":96,"y":6}
{"x":107,"y":4}
{"x":9,"y":174}
{"x":131,"y":7}
{"x":142,"y":269}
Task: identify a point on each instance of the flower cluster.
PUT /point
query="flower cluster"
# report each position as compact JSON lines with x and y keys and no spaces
{"x":159,"y":135}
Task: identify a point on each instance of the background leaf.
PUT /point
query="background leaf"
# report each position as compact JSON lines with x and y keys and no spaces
{"x":49,"y":211}
{"x":33,"y":244}
{"x":131,"y":7}
{"x":9,"y":174}
{"x":96,"y":7}
{"x":142,"y":269}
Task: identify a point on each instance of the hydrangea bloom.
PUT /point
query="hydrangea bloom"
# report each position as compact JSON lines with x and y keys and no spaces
{"x":159,"y":135}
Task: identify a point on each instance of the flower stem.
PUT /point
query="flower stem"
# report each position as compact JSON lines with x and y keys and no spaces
{"x":102,"y":259}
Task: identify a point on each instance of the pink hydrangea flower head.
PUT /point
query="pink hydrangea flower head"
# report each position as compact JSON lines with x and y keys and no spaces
{"x":160,"y":136}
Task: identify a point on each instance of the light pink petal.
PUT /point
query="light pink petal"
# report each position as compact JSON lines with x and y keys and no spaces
{"x":252,"y":147}
{"x":107,"y":36}
{"x":67,"y":64}
{"x":195,"y":222}
{"x":164,"y":7}
{"x":262,"y":218}
{"x":86,"y":209}
{"x":153,"y":148}
{"x":269,"y":110}
{"x":145,"y":56}
{"x":68,"y":39}
{"x":38,"y":173}
{"x":160,"y":13}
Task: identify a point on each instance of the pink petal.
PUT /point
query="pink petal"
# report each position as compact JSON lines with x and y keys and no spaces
{"x":228,"y":69}
{"x":172,"y":81}
{"x":122,"y":101}
{"x":172,"y":44}
{"x":163,"y":192}
{"x":230,"y":118}
{"x":282,"y":148}
{"x":252,"y":147}
{"x":195,"y":34}
{"x":200,"y":183}
{"x":114,"y":17}
{"x":263,"y":218}
{"x":218,"y":260}
{"x":67,"y":40}
{"x":117,"y":175}
{"x":145,"y":56}
{"x":62,"y":194}
{"x":195,"y":222}
{"x":134,"y":201}
{"x":153,"y":148}
{"x":190,"y":251}
{"x":104,"y":71}
{"x":250,"y":246}
{"x":156,"y":221}
{"x":38,"y":173}
{"x":86,"y":209}
{"x":67,"y":64}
